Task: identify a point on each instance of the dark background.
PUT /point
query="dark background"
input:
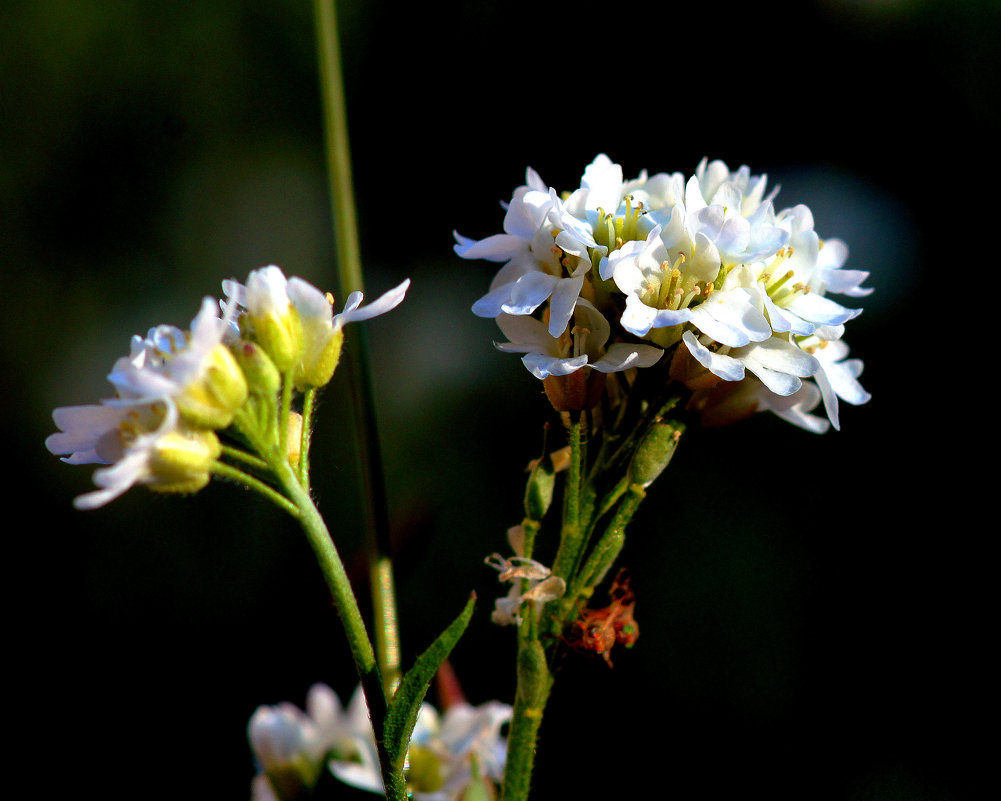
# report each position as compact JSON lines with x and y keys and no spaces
{"x":813,"y":609}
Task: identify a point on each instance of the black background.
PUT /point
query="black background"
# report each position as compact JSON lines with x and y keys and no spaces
{"x":813,"y":609}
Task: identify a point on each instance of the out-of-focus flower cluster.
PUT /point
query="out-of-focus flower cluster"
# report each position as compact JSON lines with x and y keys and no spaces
{"x":177,"y":390}
{"x":456,"y":754}
{"x":697,"y":276}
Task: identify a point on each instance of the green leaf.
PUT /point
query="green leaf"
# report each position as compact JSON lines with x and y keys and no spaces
{"x":409,"y":696}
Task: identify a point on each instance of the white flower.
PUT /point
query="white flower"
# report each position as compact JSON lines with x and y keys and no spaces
{"x":777,"y":362}
{"x":660,"y":293}
{"x":525,"y":214}
{"x":195,"y":369}
{"x":447,"y":751}
{"x":837,"y":376}
{"x":290,"y":744}
{"x":526,"y":248}
{"x":458,"y":748}
{"x":703,"y":265}
{"x":143,"y":442}
{"x":723,"y":227}
{"x":322,"y":329}
{"x":793,"y":282}
{"x":738,"y":401}
{"x":583,"y":345}
{"x":295,"y":322}
{"x":549,"y":245}
{"x":711,"y":175}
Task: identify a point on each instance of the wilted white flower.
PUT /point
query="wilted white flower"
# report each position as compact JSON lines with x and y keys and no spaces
{"x":539,"y":586}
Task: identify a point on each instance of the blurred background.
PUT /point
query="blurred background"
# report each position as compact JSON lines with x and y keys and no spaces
{"x":813,"y":609}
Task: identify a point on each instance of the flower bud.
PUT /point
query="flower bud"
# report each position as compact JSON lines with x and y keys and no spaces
{"x":575,"y":392}
{"x":539,"y":489}
{"x":280,"y":336}
{"x":654,"y":452}
{"x":689,"y":371}
{"x":322,"y":345}
{"x":533,"y":675}
{"x":725,"y":404}
{"x":181,"y":461}
{"x":271,"y":317}
{"x":212,"y":399}
{"x":263,"y":378}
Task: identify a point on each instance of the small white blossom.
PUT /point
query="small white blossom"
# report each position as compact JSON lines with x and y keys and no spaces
{"x":295,"y":321}
{"x":288,"y":741}
{"x":777,"y":362}
{"x":195,"y":369}
{"x":581,"y":346}
{"x":447,"y":751}
{"x":143,"y":442}
{"x":793,"y":282}
{"x":551,"y":248}
{"x":837,"y":376}
{"x":659,"y":294}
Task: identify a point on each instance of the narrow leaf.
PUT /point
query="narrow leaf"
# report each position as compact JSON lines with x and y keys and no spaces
{"x":409,"y":696}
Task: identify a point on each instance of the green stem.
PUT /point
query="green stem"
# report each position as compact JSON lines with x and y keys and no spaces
{"x":283,"y":413}
{"x":534,"y":685}
{"x":607,"y":549}
{"x":234,"y":474}
{"x":571,"y":533}
{"x":366,"y":664}
{"x":308,"y":401}
{"x":350,"y":279}
{"x":242,"y":456}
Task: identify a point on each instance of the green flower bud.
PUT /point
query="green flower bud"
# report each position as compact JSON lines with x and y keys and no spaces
{"x":654,"y":452}
{"x":280,"y":335}
{"x":263,"y":378}
{"x":181,"y":461}
{"x":533,"y":674}
{"x":321,"y":352}
{"x":539,"y":489}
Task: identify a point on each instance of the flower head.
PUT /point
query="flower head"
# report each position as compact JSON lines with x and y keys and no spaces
{"x":702,"y":267}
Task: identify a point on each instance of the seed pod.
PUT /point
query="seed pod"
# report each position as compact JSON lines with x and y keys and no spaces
{"x":654,"y":452}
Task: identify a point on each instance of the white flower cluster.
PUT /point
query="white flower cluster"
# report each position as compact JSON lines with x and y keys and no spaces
{"x":448,"y":753}
{"x":615,"y":273}
{"x":177,"y":388}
